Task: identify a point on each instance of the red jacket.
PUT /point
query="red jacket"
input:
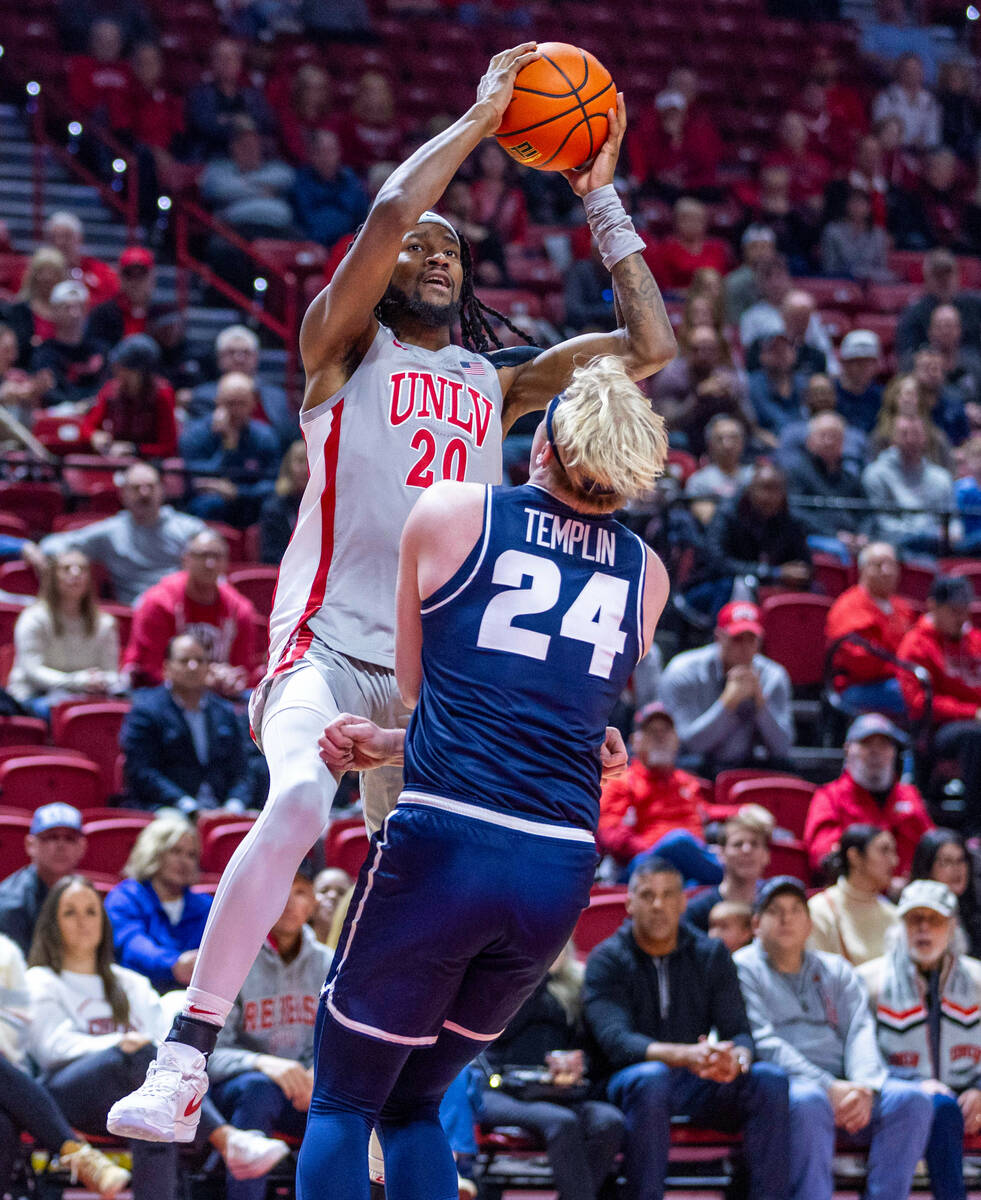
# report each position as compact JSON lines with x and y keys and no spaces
{"x":955,"y":671}
{"x":690,"y":163}
{"x":105,"y":89}
{"x":153,"y":430}
{"x":855,"y":611}
{"x":226,"y":627}
{"x":842,"y":803}
{"x":673,"y":264}
{"x":661,"y":801}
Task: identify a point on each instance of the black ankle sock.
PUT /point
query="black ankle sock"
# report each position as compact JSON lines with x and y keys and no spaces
{"x":190,"y":1031}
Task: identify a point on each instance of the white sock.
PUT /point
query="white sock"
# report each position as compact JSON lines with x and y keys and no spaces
{"x":206,"y":1006}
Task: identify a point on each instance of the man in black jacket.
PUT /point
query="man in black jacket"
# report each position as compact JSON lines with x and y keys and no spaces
{"x":663,"y":1005}
{"x":820,"y":474}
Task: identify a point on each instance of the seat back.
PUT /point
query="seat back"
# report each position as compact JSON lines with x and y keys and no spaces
{"x":19,"y":578}
{"x":14,"y":827}
{"x":110,"y":841}
{"x":793,"y":635}
{"x":350,"y":850}
{"x":604,"y":916}
{"x":256,"y":584}
{"x":221,"y":843}
{"x":789,"y":858}
{"x":93,"y":729}
{"x":23,"y":731}
{"x":28,"y":783}
{"x":787,"y":798}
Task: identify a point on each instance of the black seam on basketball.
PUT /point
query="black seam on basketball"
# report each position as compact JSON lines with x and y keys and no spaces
{"x":582,"y":107}
{"x":558,"y":149}
{"x":503,"y":133}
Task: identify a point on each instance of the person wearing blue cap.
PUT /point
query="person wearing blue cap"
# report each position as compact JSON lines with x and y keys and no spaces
{"x":55,"y":845}
{"x":868,"y":792}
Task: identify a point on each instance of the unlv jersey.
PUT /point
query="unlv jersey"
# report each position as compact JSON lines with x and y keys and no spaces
{"x":406,"y":418}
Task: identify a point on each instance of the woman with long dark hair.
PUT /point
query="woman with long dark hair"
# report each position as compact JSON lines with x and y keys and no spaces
{"x":942,"y":854}
{"x":133,"y":413}
{"x":853,"y":917}
{"x":94,"y":1033}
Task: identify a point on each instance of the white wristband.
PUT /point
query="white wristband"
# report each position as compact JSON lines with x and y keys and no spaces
{"x":609,"y":224}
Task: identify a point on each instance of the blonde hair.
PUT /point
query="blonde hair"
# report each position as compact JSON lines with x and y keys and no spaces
{"x":729,"y":908}
{"x":754,"y":818}
{"x":161,"y":835}
{"x":284,"y":481}
{"x":44,"y":256}
{"x":605,"y":429}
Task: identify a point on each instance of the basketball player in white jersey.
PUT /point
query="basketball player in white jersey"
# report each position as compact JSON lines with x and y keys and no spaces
{"x":391,"y":406}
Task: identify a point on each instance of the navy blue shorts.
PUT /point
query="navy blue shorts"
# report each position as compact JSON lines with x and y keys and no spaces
{"x":454,"y":921}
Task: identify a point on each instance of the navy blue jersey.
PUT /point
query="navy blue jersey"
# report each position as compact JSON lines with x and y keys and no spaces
{"x":525,"y":651}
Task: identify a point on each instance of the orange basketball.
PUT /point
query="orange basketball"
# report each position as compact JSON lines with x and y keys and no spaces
{"x":556,"y":120}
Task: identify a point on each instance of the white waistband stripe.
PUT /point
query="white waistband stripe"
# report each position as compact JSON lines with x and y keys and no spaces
{"x":564,"y":833}
{"x":469,"y":1033}
{"x":383,"y":1035}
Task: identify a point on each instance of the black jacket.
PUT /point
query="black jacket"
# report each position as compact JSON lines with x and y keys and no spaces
{"x":811,"y":477}
{"x":539,"y":1026}
{"x":621,"y":1003}
{"x":21,"y":897}
{"x":741,"y":543}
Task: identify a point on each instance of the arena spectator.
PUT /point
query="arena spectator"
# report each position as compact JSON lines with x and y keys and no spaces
{"x":195,"y":600}
{"x":961,"y":363}
{"x":763,"y":316}
{"x":100,"y":83}
{"x":731,"y":924}
{"x":672,"y":152}
{"x":902,"y":478}
{"x":156,"y":919}
{"x":133,"y":414}
{"x":725,"y":474}
{"x":758,"y":244}
{"x":910,"y":101}
{"x":967,"y":492}
{"x":774,"y":386}
{"x":261,"y":1071}
{"x":945,"y":643}
{"x":794,"y":228}
{"x":793,"y":312}
{"x":279,"y":513}
{"x":183,"y":744}
{"x":76,"y":17}
{"x":731,"y":705}
{"x":95,"y":1029}
{"x":372,"y":132}
{"x":582,"y":1136}
{"x":655,"y":806}
{"x":133,"y":310}
{"x":943,"y":403}
{"x":821,"y":474}
{"x":588,"y":293}
{"x":31,"y":316}
{"x":688,"y":247}
{"x":843,"y":102}
{"x":872,"y":610}
{"x":497,"y":200}
{"x":65,"y":646}
{"x":64,"y":231}
{"x":247,"y":189}
{"x":157,"y":117}
{"x":942,"y":854}
{"x":237,"y":349}
{"x":213,"y":107}
{"x":820,"y":396}
{"x":745,"y":852}
{"x":233,"y":457}
{"x":77,"y":362}
{"x":868,"y":792}
{"x":307,"y":107}
{"x":328,"y":197}
{"x":852,"y":917}
{"x":855,"y":247}
{"x":941,"y":284}
{"x":894,"y":33}
{"x":487,"y":249}
{"x":866,"y":172}
{"x":20,"y":392}
{"x":55,"y":846}
{"x":810,"y":1017}
{"x":696,"y":386}
{"x":809,"y":169}
{"x":330,"y":888}
{"x":904,"y":398}
{"x":917,"y":991}
{"x":960,"y":119}
{"x":653,"y":992}
{"x":138,"y":546}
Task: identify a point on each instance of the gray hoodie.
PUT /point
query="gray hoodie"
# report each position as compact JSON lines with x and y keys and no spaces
{"x":275,"y":1011}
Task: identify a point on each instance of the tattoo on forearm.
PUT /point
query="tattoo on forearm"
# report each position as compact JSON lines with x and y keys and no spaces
{"x":638,"y":299}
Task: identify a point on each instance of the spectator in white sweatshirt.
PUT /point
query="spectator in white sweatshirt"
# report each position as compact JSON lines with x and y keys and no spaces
{"x":94,"y":1032}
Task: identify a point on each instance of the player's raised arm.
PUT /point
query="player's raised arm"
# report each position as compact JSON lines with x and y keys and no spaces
{"x":339,"y":324}
{"x":644,"y":339}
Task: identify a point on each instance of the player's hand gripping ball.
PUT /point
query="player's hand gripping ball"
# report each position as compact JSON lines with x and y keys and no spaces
{"x":556,"y":120}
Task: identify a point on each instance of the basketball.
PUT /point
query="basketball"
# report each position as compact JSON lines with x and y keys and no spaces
{"x":556,"y":120}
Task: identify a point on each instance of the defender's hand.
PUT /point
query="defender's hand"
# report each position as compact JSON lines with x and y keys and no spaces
{"x":497,"y":85}
{"x":613,"y":754}
{"x":352,"y":743}
{"x":601,"y":170}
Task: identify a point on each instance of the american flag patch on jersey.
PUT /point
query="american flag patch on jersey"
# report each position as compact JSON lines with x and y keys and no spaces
{"x":472,"y":366}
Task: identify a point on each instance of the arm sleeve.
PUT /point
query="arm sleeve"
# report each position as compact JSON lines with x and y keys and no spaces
{"x":140,"y":743}
{"x":607,"y":1010}
{"x":134,"y":946}
{"x":769,"y":1045}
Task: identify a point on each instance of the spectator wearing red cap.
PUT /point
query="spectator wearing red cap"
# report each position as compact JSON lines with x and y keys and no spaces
{"x":654,"y":807}
{"x":731,"y":705}
{"x":868,"y":792}
{"x":871,"y":610}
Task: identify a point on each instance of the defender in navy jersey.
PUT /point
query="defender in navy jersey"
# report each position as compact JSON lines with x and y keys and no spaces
{"x":520,"y":616}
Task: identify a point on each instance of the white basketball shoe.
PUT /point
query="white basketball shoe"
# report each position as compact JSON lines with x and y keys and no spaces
{"x":167,"y":1105}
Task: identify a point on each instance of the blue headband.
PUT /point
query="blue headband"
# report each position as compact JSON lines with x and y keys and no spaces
{"x":589,"y":487}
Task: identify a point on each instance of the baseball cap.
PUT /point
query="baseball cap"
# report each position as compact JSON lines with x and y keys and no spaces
{"x":779,"y":885}
{"x":869,"y":724}
{"x":136,"y":256}
{"x":860,"y":343}
{"x":927,"y":893}
{"x":654,"y":709}
{"x":951,"y":589}
{"x":739,"y":616}
{"x":56,"y":816}
{"x":670,"y":98}
{"x":69,"y":290}
{"x":138,"y":352}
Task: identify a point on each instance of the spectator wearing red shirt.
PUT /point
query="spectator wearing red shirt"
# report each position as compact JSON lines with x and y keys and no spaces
{"x":810,"y":170}
{"x":157,"y":115}
{"x":197,"y":602}
{"x":31,"y":316}
{"x":672,"y":153}
{"x":872,"y":610}
{"x":497,"y":202}
{"x":133,"y":413}
{"x":680,"y":255}
{"x":868,"y":792}
{"x":372,"y":132}
{"x":303,"y":107}
{"x":654,"y":807}
{"x":100,"y":83}
{"x":64,"y":231}
{"x":948,"y":647}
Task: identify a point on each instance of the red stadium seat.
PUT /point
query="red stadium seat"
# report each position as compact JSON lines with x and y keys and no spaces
{"x":111,"y":840}
{"x":36,"y":503}
{"x":222,"y":842}
{"x":915,"y":581}
{"x":14,"y":827}
{"x":8,"y":619}
{"x":604,"y":916}
{"x":831,"y":574}
{"x":30,"y":782}
{"x":256,"y":584}
{"x":793,"y":635}
{"x":349,"y":850}
{"x":681,"y":465}
{"x":725,"y":781}
{"x":788,"y":858}
{"x":19,"y":578}
{"x":232,"y":536}
{"x":970,"y":568}
{"x":94,"y":730}
{"x":13,"y":526}
{"x":23,"y":731}
{"x":832,"y":293}
{"x":893,"y":297}
{"x":333,"y":834}
{"x":786,"y":797}
{"x":907,"y":264}
{"x":124,"y":621}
